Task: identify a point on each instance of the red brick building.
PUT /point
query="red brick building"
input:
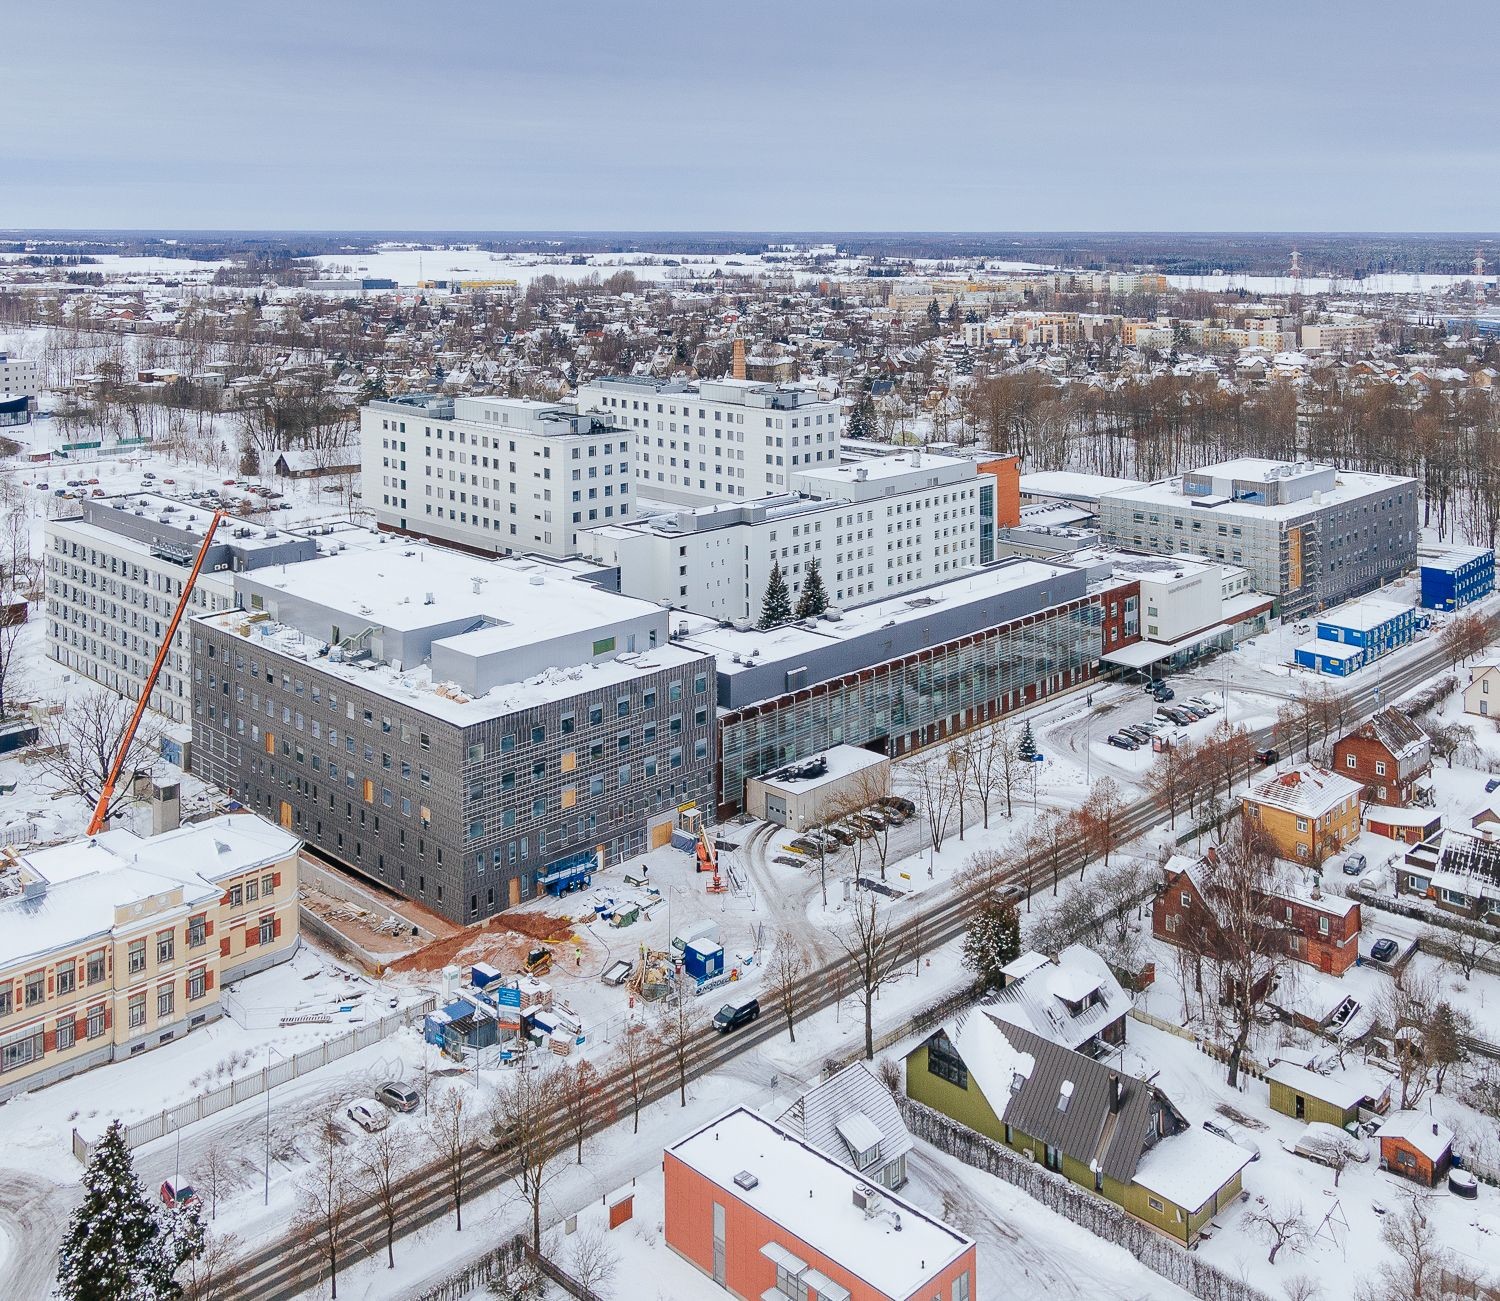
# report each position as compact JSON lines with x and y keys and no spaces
{"x":764,"y":1214}
{"x":1389,"y":755}
{"x":1321,"y":930}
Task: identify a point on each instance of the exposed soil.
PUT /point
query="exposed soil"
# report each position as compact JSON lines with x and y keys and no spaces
{"x":503,"y":942}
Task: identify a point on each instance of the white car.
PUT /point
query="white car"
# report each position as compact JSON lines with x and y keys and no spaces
{"x":368,"y":1114}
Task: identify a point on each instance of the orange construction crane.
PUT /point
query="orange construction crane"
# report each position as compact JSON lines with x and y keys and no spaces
{"x":107,"y":793}
{"x":708,"y":861}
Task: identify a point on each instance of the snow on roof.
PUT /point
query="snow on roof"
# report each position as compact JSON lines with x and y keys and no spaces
{"x":1189,"y":1168}
{"x":1395,"y":730}
{"x":815,"y":1116}
{"x":1417,"y":1129}
{"x":811,"y":1196}
{"x":1332,"y":650}
{"x":1333,"y":1089}
{"x":1072,"y":485}
{"x":1042,"y":998}
{"x":1350,"y":486}
{"x":1306,"y":789}
{"x":859,"y":1131}
{"x":1363,"y":616}
{"x":843,"y":761}
{"x":83,"y":882}
{"x":1456,"y":558}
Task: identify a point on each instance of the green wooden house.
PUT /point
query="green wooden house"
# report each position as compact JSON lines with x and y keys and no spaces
{"x":1102,"y":1129}
{"x":1334,"y":1099}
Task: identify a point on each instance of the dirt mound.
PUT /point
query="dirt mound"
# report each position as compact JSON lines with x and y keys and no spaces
{"x":503,"y":942}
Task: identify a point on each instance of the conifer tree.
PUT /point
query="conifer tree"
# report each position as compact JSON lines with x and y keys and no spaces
{"x":777,"y":607}
{"x":993,"y":940}
{"x":1026,"y":749}
{"x":118,"y":1247}
{"x":814,"y":600}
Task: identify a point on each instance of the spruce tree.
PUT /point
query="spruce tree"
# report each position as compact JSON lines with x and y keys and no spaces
{"x":1026,"y":749}
{"x":777,"y":607}
{"x":814,"y":600}
{"x":992,"y":940}
{"x":118,"y":1247}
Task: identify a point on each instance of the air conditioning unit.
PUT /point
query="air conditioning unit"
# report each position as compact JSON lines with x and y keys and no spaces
{"x":867,"y":1199}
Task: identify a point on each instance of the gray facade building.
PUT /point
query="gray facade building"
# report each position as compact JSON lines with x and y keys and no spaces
{"x":403,"y":748}
{"x":1311,"y":536}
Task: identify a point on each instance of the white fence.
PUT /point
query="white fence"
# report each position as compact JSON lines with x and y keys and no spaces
{"x":268,"y":1077}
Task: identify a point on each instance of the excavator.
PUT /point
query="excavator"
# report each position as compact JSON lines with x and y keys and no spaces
{"x":107,"y":792}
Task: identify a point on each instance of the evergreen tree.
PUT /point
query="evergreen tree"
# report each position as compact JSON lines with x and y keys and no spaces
{"x":118,"y":1247}
{"x":777,"y":607}
{"x":814,"y":600}
{"x":1026,"y":748}
{"x":863,"y":422}
{"x":934,"y":316}
{"x":992,"y":940}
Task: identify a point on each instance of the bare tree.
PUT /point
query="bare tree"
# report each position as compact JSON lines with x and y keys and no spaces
{"x":1420,"y":1262}
{"x":213,"y":1275}
{"x":1447,"y":739}
{"x":1100,"y":817}
{"x":636,"y":1057}
{"x":680,"y":1028}
{"x":1403,"y":1010}
{"x":935,"y":787}
{"x":382,"y":1162}
{"x":594,"y":1260}
{"x":1169,"y":777}
{"x":1465,"y":944}
{"x":983,"y":754}
{"x":1051,"y":843}
{"x":1302,"y":1287}
{"x":1281,"y":1226}
{"x":324,"y":1202}
{"x":522,"y":1120}
{"x":876,"y":949}
{"x":79,"y":744}
{"x":787,"y":968}
{"x":10,"y":637}
{"x":453,"y":1131}
{"x":578,"y":1096}
{"x":215,"y":1175}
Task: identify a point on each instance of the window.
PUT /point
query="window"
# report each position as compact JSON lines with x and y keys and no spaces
{"x":164,"y":1001}
{"x":67,"y":978}
{"x":22,"y":1051}
{"x":604,"y":646}
{"x":93,"y":1027}
{"x":67,"y":1033}
{"x":197,"y":985}
{"x":1380,"y":767}
{"x":36,"y":987}
{"x":1351,"y":761}
{"x":236,"y":896}
{"x":95,"y":972}
{"x":137,"y":1012}
{"x":1154,"y":1204}
{"x":945,"y":1063}
{"x":267,"y":929}
{"x":165,"y":946}
{"x":961,"y":1287}
{"x":137,"y":957}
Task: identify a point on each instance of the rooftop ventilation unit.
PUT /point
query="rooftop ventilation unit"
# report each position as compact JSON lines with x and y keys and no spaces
{"x":746,"y":1180}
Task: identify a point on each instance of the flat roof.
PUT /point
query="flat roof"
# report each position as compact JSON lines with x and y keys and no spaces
{"x":912,"y":462}
{"x":1457,"y":558}
{"x":843,"y":761}
{"x":1072,"y":485}
{"x":1348,"y":486}
{"x":1362,"y":616}
{"x":391,"y":584}
{"x":1332,"y":650}
{"x":811,"y":1196}
{"x":756,"y":647}
{"x":191,"y":518}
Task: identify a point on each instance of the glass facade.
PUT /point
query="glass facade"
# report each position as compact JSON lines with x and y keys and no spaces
{"x":905,"y":704}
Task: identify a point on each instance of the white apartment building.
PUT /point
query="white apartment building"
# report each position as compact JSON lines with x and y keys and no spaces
{"x":1341,"y":334}
{"x":19,"y":377}
{"x":888,"y":525}
{"x":717,"y":440}
{"x":115,"y":573}
{"x":497,"y":475}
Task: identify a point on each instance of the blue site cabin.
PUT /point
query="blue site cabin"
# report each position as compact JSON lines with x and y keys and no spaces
{"x":1457,"y":577}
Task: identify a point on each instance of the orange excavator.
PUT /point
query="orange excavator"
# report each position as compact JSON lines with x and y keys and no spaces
{"x":107,"y":792}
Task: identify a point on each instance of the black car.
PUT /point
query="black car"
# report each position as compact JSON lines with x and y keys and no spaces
{"x":733,"y":1015}
{"x":1268,"y":756}
{"x":1384,"y":950}
{"x":1162,"y":691}
{"x":1122,"y":742}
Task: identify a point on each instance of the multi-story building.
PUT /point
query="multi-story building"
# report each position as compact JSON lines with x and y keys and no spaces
{"x":1308,"y":813}
{"x":905,"y":672}
{"x":113,"y":944}
{"x":1316,"y":928}
{"x":885,"y":526}
{"x":494,"y":475}
{"x":1343,"y":334}
{"x":1390,"y":755}
{"x":717,"y":439}
{"x":460,"y":730}
{"x":1458,"y":576}
{"x":765,"y":1214}
{"x":114,"y":574}
{"x":1310,"y":535}
{"x":19,"y":377}
{"x":1459,"y":868}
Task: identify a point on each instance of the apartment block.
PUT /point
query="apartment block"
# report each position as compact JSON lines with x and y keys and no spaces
{"x":463,"y":731}
{"x":704,"y":442}
{"x":493,"y":475}
{"x":114,"y":944}
{"x":889,"y":525}
{"x":1310,"y":535}
{"x":115,"y":573}
{"x":19,"y":377}
{"x":1309,"y":813}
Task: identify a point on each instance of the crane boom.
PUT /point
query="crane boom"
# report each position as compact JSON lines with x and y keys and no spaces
{"x":107,"y":792}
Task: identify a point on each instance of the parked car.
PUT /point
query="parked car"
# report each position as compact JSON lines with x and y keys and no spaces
{"x":283,"y":505}
{"x":901,"y":804}
{"x":1163,"y":692}
{"x":1491,"y":786}
{"x":733,"y":1015}
{"x":1122,"y":742}
{"x":1136,"y":733}
{"x":1268,"y":756}
{"x":148,"y":475}
{"x":1235,"y":1135}
{"x":840,"y":834}
{"x":1384,"y":950}
{"x":75,"y":483}
{"x":1354,"y":864}
{"x":43,"y":486}
{"x":1201,"y":705}
{"x":174,"y":1195}
{"x":398,"y":1097}
{"x":368,"y":1114}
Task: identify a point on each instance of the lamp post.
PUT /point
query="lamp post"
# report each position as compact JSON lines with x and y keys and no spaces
{"x":270,"y":1052}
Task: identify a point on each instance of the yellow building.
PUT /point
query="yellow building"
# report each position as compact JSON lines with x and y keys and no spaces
{"x":113,"y":944}
{"x":1309,"y":813}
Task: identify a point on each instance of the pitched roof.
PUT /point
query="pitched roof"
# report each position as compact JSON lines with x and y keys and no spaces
{"x":1060,"y":1097}
{"x":1045,"y":997}
{"x":1430,"y":1137}
{"x":818,"y":1115}
{"x":1395,"y":730}
{"x":1306,"y":789}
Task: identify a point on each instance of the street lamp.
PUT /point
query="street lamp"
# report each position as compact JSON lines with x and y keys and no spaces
{"x":270,"y":1051}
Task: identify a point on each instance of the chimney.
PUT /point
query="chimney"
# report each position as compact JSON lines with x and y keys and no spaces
{"x":739,"y":359}
{"x":1116,"y":1093}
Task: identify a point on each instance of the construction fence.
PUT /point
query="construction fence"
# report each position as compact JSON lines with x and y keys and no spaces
{"x":506,"y":1263}
{"x":261,"y":1081}
{"x":1153,"y":1249}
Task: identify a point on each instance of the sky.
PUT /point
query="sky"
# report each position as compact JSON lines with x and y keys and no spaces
{"x":837,"y":115}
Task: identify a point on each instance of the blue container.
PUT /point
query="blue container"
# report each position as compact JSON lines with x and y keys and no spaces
{"x":703,"y":960}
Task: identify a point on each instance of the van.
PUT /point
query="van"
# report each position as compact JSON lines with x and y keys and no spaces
{"x":733,"y":1015}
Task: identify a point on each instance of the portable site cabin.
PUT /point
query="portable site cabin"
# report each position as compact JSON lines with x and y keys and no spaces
{"x":1457,"y":577}
{"x":703,"y":959}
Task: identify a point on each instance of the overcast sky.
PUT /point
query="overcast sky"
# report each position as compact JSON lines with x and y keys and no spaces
{"x":757,"y":115}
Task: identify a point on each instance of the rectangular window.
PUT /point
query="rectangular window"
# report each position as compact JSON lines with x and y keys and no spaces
{"x":604,"y":646}
{"x":67,"y":979}
{"x":197,"y":985}
{"x":165,"y":946}
{"x":164,"y":1001}
{"x":94,"y":1026}
{"x":137,"y":1012}
{"x":136,"y":962}
{"x":67,"y":1032}
{"x":95,"y":972}
{"x":267,"y":929}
